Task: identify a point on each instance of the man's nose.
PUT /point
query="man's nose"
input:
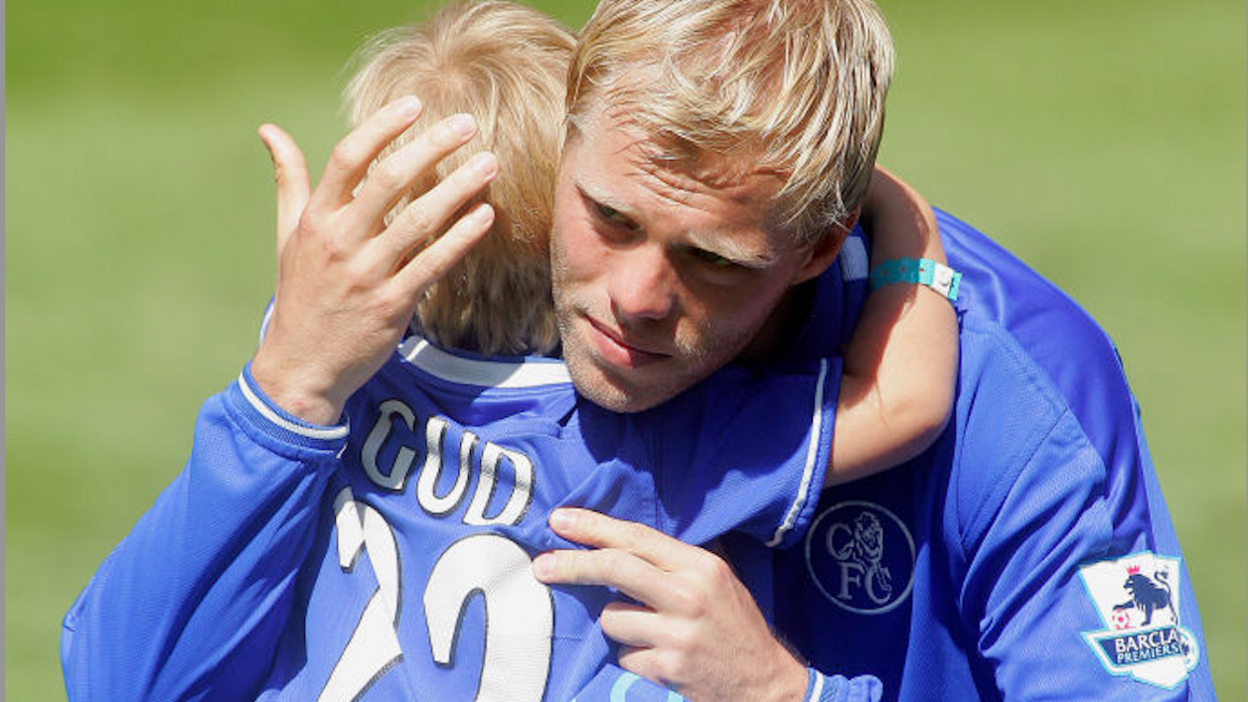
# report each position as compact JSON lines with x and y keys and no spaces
{"x":643,"y":285}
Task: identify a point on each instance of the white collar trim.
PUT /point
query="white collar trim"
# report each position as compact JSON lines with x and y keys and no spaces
{"x":520,"y":373}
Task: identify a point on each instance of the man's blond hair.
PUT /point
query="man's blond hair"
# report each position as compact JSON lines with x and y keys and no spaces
{"x":506,"y":65}
{"x":792,"y":87}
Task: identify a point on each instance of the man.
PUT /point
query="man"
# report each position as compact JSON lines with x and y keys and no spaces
{"x":1027,"y":555}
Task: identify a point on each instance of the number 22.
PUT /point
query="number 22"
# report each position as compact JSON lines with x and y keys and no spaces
{"x":519,"y":609}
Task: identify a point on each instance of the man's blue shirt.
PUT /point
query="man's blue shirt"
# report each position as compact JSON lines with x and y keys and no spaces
{"x":1028,"y":554}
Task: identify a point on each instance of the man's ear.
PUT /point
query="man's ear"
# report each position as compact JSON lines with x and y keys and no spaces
{"x":822,"y":251}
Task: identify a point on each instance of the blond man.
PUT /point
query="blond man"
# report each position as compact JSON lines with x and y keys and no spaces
{"x":992,"y":565}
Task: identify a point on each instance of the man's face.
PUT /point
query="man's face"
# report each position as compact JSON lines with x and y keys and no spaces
{"x":661,"y":275}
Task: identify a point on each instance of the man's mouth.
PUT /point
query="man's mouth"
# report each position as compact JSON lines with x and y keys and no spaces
{"x":615,"y":350}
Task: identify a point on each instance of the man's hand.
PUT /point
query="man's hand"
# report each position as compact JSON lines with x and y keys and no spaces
{"x":698,"y":630}
{"x":347,"y":284}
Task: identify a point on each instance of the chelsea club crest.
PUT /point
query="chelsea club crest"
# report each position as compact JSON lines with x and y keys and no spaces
{"x":1137,"y":597}
{"x":861,"y":557}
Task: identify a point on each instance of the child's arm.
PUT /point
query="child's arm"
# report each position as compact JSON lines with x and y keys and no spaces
{"x":900,"y":364}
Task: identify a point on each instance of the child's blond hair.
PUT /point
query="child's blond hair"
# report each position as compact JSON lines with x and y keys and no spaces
{"x":506,"y":65}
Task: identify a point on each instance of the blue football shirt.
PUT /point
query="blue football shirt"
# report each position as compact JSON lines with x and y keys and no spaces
{"x":390,"y":557}
{"x":1028,"y":554}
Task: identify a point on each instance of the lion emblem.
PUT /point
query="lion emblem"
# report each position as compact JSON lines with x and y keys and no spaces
{"x":1147,"y":595}
{"x":866,"y":548}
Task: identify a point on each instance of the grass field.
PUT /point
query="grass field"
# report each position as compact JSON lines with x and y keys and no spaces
{"x":1104,"y":142}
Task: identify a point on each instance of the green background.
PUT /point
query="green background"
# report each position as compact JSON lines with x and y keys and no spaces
{"x":1103,"y":142}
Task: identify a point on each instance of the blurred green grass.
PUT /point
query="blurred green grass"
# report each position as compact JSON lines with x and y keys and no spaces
{"x":1102,"y":142}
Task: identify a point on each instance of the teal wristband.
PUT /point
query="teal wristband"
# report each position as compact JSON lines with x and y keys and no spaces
{"x":921,"y":271}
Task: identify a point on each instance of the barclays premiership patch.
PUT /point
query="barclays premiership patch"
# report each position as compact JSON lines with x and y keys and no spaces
{"x":1137,"y":597}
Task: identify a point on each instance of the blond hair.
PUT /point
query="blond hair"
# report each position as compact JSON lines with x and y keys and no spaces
{"x":506,"y":65}
{"x":792,"y":87}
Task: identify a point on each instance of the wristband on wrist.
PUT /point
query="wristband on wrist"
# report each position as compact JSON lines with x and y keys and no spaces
{"x":922,"y":271}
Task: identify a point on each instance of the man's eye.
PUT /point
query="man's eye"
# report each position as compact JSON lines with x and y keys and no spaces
{"x":612,"y":215}
{"x":713,"y":259}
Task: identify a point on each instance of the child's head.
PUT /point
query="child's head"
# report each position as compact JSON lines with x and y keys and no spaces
{"x":506,"y":65}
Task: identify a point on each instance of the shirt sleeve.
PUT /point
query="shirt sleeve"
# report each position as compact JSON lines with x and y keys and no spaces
{"x":838,"y":688}
{"x":746,"y":450}
{"x":1066,"y":569}
{"x":192,"y":602}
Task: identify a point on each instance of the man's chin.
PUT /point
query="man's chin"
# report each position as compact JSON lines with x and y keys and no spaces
{"x":615,"y":394}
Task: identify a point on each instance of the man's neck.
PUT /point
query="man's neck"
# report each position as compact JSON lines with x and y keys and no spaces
{"x":783,"y":325}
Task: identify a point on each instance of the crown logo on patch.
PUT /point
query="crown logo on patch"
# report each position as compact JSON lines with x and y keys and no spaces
{"x":1133,"y":570}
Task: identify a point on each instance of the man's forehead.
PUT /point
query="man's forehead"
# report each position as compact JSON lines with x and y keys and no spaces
{"x":675,"y":163}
